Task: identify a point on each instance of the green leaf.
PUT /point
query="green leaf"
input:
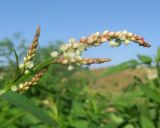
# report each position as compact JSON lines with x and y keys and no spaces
{"x":158,"y":55}
{"x":80,"y":124}
{"x":129,"y":126}
{"x":28,"y":106}
{"x":16,"y":56}
{"x":151,"y":93}
{"x":121,"y":67}
{"x":17,"y":72}
{"x":8,"y":122}
{"x":116,"y":119}
{"x":146,"y":122}
{"x":111,"y":125}
{"x":145,"y":59}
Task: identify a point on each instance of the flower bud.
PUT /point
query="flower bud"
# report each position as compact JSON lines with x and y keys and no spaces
{"x":79,"y":58}
{"x":96,"y":44}
{"x":78,"y":52}
{"x":26,"y":72}
{"x":129,"y":34}
{"x":34,"y":83}
{"x":132,"y":39}
{"x":64,"y":61}
{"x":54,"y":54}
{"x":75,"y":45}
{"x":81,"y":47}
{"x":96,"y":34}
{"x":29,"y":64}
{"x":28,"y":58}
{"x":110,"y":34}
{"x":63,"y":48}
{"x":65,"y":55}
{"x":24,"y":59}
{"x":112,"y":43}
{"x":26,"y":88}
{"x":21,"y":66}
{"x":103,"y":39}
{"x":72,"y":40}
{"x":83,"y":40}
{"x":73,"y":60}
{"x":14,"y":88}
{"x":105,"y":32}
{"x":21,"y":86}
{"x":71,"y":55}
{"x":90,"y":40}
{"x":70,"y":68}
{"x":117,"y":34}
{"x":126,"y":42}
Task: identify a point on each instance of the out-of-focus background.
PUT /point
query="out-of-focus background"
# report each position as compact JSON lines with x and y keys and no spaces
{"x":124,"y":93}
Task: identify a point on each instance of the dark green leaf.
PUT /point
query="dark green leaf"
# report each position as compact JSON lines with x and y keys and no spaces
{"x":28,"y":106}
{"x":145,"y":59}
{"x":149,"y":92}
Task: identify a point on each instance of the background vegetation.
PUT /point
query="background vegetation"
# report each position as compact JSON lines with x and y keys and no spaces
{"x":122,"y":96}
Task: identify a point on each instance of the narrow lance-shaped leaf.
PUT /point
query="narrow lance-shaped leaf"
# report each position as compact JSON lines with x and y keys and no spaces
{"x":17,"y":63}
{"x":17,"y":72}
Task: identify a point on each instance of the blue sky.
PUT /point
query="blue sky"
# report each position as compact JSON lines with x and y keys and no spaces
{"x":63,"y":19}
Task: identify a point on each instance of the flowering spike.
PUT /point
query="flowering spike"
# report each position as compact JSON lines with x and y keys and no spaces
{"x":71,"y":53}
{"x":93,"y":39}
{"x":26,"y":85}
{"x":33,"y":47}
{"x":31,"y":52}
{"x":89,"y":61}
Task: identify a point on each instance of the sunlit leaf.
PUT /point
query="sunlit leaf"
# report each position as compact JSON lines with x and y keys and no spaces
{"x":145,"y":59}
{"x":149,"y":92}
{"x":146,"y":122}
{"x":121,"y":67}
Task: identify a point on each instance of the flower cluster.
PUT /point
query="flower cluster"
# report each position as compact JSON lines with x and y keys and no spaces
{"x":26,"y":85}
{"x":71,"y":53}
{"x":28,"y":64}
{"x":115,"y":39}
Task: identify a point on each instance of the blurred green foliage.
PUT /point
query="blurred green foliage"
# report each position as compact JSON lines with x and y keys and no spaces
{"x":62,"y":100}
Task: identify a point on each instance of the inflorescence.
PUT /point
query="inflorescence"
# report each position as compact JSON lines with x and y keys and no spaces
{"x":28,"y":63}
{"x":70,"y":54}
{"x":26,"y":85}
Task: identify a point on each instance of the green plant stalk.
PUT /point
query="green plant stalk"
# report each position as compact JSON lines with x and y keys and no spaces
{"x":158,"y":71}
{"x":21,"y":77}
